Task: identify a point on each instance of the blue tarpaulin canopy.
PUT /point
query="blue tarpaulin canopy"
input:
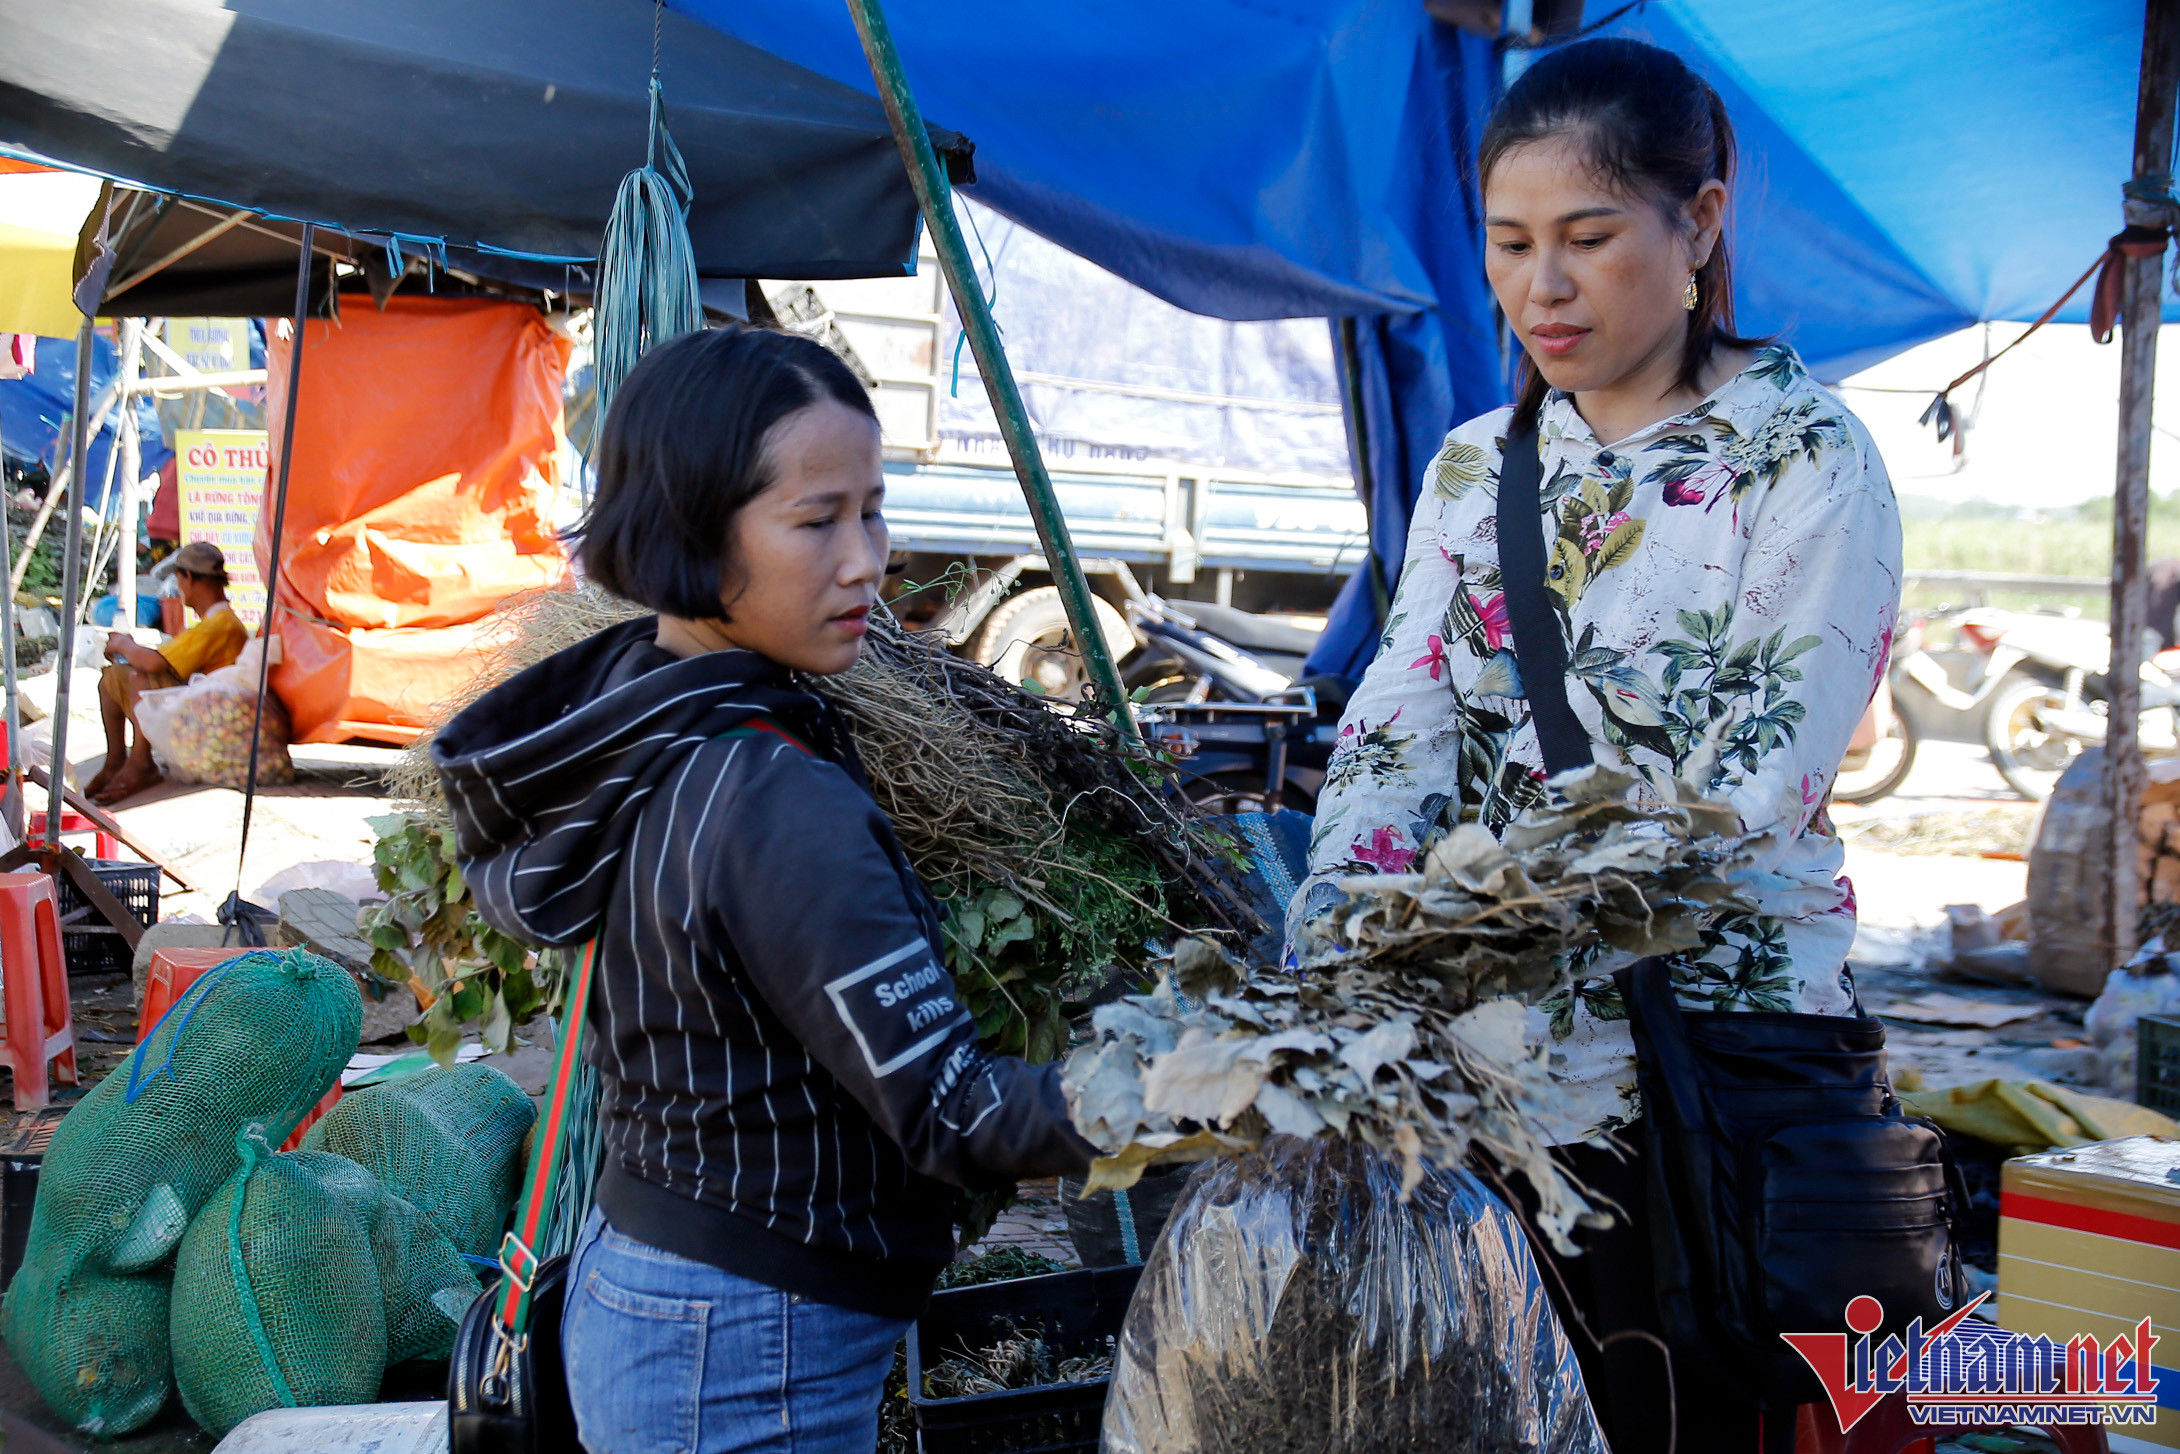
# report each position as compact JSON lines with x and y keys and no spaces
{"x":35,"y":410}
{"x":1910,"y":168}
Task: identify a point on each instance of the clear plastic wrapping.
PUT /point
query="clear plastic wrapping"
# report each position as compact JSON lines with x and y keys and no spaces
{"x":1296,"y":1302}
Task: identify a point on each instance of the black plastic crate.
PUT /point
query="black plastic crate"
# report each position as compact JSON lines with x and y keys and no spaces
{"x":20,"y":1161}
{"x":1075,"y":1312}
{"x":92,"y":945}
{"x":2157,"y":1063}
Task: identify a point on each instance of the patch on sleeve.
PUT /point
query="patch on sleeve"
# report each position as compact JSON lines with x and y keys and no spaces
{"x":898,"y":1007}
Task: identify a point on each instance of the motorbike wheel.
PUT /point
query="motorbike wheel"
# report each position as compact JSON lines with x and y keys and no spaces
{"x":1243,"y":792}
{"x":2027,"y":755}
{"x":1884,"y":766}
{"x":1029,"y":642}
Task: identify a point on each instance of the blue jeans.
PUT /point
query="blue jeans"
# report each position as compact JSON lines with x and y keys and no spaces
{"x":670,"y":1356}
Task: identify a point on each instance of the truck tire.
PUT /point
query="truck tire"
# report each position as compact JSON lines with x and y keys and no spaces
{"x":1028,"y":641}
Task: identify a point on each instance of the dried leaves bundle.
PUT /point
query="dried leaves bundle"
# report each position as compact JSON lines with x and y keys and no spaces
{"x":1059,"y":851}
{"x":985,"y":782}
{"x":1020,"y":1358}
{"x":1406,"y":1027}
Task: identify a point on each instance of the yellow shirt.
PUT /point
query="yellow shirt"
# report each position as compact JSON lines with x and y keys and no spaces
{"x":215,"y":641}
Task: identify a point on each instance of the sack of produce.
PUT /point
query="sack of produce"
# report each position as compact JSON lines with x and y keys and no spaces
{"x":448,"y":1141}
{"x":255,"y":1042}
{"x":1297,"y":1300}
{"x":300,"y":1282}
{"x":200,"y":731}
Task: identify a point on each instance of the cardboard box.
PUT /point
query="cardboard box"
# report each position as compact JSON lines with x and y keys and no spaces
{"x":2089,"y":1242}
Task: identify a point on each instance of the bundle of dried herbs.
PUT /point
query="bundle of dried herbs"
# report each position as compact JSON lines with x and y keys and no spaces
{"x":896,"y":1419}
{"x":1060,"y":852}
{"x":1303,"y":1299}
{"x":1018,"y":1358}
{"x":1405,"y":1028}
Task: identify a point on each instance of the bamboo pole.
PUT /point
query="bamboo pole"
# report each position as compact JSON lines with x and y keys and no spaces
{"x":934,"y":196}
{"x":2148,"y":205}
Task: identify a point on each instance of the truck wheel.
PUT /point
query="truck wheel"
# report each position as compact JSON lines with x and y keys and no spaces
{"x":1028,"y":641}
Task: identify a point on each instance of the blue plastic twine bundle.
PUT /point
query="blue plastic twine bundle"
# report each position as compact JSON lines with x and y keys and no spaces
{"x":646,"y":269}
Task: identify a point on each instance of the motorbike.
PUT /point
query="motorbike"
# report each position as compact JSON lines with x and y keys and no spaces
{"x":1882,"y":751}
{"x":1223,"y":691}
{"x":2043,"y":693}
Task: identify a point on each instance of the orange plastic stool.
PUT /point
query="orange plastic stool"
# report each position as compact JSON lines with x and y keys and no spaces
{"x":171,"y":974}
{"x":107,"y":848}
{"x":40,"y":1029}
{"x":295,"y":1140}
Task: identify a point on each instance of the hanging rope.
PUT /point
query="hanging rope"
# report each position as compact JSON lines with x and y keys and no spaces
{"x":2136,"y":241}
{"x":647,"y":289}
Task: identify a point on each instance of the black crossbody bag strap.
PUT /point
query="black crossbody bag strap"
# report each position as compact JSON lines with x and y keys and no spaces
{"x":1539,"y":649}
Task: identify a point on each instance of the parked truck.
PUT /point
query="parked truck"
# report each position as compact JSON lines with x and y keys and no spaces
{"x":1194,"y":459}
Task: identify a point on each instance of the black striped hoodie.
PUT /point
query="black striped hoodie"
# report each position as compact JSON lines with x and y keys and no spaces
{"x":792,"y":1086}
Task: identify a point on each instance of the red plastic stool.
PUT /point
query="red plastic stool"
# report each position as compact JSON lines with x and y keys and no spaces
{"x":171,"y":974}
{"x":107,"y":847}
{"x":40,"y":1029}
{"x":295,"y":1139}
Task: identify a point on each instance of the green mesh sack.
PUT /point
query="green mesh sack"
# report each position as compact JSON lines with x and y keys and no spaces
{"x":448,"y":1141}
{"x":256,"y":1041}
{"x":300,"y":1282}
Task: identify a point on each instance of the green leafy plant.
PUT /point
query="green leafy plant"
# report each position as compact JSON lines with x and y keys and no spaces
{"x":1026,"y":957}
{"x":428,"y":937}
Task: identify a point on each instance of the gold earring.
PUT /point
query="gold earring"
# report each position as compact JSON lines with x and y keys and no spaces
{"x":1689,"y":299}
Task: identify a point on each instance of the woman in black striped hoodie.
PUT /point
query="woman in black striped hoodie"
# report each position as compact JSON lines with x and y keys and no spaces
{"x":793,"y":1089}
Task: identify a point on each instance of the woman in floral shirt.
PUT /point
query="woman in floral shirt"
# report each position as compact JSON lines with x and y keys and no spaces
{"x":1723,"y":557}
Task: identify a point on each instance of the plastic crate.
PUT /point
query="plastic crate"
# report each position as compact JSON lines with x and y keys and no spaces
{"x":1076,"y":1312}
{"x":2157,"y":1063}
{"x":20,"y":1162}
{"x":92,"y":945}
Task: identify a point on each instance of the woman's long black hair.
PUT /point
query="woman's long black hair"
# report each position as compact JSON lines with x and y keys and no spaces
{"x":1654,"y":129}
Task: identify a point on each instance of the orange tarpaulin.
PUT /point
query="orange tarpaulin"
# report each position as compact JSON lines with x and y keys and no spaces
{"x":420,"y":497}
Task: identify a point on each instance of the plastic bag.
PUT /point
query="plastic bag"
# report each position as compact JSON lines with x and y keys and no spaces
{"x":1296,"y":1302}
{"x":2145,"y":985}
{"x":200,"y":731}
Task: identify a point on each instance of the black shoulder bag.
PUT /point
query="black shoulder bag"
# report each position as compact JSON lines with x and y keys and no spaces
{"x":1783,"y":1178}
{"x":507,"y":1389}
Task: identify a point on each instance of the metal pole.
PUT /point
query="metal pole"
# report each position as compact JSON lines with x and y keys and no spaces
{"x":132,"y":467}
{"x":2141,"y":309}
{"x":265,"y":631}
{"x":1344,"y":335}
{"x":934,"y":195}
{"x":11,"y":797}
{"x":71,"y":588}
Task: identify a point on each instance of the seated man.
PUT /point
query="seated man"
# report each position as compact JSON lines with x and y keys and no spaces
{"x":200,"y":573}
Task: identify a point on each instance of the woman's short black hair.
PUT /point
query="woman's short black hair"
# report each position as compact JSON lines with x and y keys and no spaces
{"x":682,"y":452}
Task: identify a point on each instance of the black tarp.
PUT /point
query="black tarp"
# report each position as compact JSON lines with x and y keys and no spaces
{"x":489,"y":135}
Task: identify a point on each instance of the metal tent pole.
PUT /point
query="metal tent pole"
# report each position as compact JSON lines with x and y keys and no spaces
{"x":71,"y":588}
{"x":132,"y":352}
{"x":934,"y":196}
{"x":267,"y":635}
{"x":2148,"y":208}
{"x":11,"y":797}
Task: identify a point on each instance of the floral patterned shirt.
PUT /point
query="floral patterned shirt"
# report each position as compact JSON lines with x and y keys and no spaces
{"x":1729,"y":575}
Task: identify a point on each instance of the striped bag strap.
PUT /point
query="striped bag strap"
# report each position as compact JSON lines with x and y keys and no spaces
{"x":548,"y":1148}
